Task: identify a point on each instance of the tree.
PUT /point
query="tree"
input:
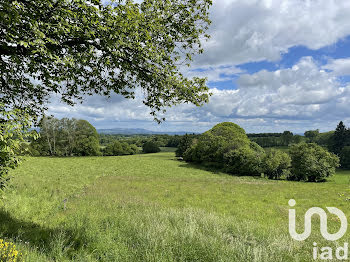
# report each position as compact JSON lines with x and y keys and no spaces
{"x":65,"y":137}
{"x":312,"y":135}
{"x":14,"y":129}
{"x":339,"y":138}
{"x":77,"y":47}
{"x":86,"y":139}
{"x":150,"y":147}
{"x":345,"y":157}
{"x":276,"y":164}
{"x":297,"y":139}
{"x":134,"y":149}
{"x":245,"y":161}
{"x":212,"y":145}
{"x":184,"y":144}
{"x":287,"y":138}
{"x":311,"y":162}
{"x":49,"y":133}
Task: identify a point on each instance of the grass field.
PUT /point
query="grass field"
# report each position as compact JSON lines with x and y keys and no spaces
{"x":155,"y":208}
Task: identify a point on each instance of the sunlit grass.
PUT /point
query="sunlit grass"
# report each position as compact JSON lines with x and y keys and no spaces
{"x":155,"y":208}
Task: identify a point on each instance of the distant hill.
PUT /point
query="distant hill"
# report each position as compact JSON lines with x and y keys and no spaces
{"x":137,"y":131}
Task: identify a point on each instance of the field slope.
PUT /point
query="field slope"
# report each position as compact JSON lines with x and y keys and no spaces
{"x":155,"y":208}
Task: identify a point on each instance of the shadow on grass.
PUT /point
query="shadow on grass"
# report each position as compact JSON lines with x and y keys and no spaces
{"x":221,"y":171}
{"x":216,"y":170}
{"x":38,"y":237}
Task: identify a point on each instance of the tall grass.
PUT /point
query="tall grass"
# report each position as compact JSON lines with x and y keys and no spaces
{"x":154,"y":208}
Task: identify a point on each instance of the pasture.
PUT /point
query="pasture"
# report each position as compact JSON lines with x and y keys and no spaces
{"x":151,"y":207}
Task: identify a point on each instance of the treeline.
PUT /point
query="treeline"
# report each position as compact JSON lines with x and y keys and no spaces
{"x":140,"y":140}
{"x":73,"y":137}
{"x":65,"y":137}
{"x":227,"y":147}
{"x":276,"y":139}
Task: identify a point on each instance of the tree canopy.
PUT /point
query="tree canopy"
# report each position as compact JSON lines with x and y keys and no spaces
{"x":75,"y":48}
{"x":66,"y":137}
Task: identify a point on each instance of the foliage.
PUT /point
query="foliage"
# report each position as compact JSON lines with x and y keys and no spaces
{"x":245,"y":161}
{"x":325,"y":139}
{"x":76,"y":48}
{"x":212,"y":145}
{"x":345,"y":157}
{"x":86,"y":139}
{"x":118,"y":149}
{"x":311,"y":162}
{"x":8,"y":252}
{"x":150,"y":147}
{"x":66,"y":137}
{"x":312,"y":135}
{"x":14,"y":130}
{"x":162,"y":140}
{"x":184,"y":144}
{"x":275,"y":139}
{"x":276,"y":164}
{"x":339,"y":138}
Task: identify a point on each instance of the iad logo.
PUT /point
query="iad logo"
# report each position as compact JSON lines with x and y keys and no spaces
{"x":341,"y":253}
{"x":323,"y":222}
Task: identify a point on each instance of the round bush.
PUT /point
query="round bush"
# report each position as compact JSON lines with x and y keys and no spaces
{"x":245,"y":161}
{"x":212,"y":145}
{"x":276,"y":164}
{"x":311,"y":162}
{"x":150,"y":147}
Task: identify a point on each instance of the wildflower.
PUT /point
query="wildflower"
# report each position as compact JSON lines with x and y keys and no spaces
{"x":8,"y":252}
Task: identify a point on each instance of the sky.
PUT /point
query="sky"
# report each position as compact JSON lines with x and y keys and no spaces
{"x":271,"y":65}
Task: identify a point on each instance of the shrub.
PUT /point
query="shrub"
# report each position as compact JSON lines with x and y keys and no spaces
{"x":311,"y":162}
{"x":184,"y":144}
{"x":150,"y":147}
{"x":8,"y":252}
{"x":212,"y":145}
{"x":276,"y":164}
{"x":133,"y":149}
{"x":245,"y":161}
{"x":118,"y":149}
{"x":113,"y":149}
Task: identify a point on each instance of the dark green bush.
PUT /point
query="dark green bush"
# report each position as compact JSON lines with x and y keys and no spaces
{"x":119,"y":149}
{"x":245,"y":161}
{"x":150,"y":147}
{"x":311,"y":162}
{"x":345,"y":157}
{"x":212,"y":145}
{"x":276,"y":164}
{"x":184,"y":144}
{"x":134,"y":149}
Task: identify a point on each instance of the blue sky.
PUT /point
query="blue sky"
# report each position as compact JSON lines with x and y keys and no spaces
{"x":272,"y":66}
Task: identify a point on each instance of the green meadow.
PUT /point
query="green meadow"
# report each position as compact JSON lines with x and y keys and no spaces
{"x":152,"y":207}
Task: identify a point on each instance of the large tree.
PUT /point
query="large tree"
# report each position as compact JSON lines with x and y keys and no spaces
{"x":83,"y":47}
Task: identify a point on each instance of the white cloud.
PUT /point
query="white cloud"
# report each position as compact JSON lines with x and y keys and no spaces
{"x":253,"y":30}
{"x":301,"y":93}
{"x":339,"y":66}
{"x":215,"y":73}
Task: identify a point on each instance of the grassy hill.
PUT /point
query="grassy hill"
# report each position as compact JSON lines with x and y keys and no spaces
{"x":155,"y":208}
